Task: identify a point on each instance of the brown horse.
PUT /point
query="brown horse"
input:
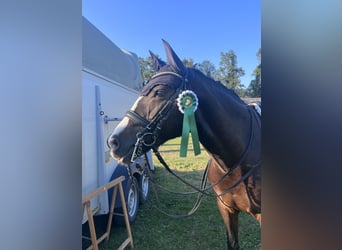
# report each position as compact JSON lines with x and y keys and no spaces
{"x":227,"y":128}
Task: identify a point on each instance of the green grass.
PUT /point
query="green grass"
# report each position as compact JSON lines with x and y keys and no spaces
{"x":203,"y":230}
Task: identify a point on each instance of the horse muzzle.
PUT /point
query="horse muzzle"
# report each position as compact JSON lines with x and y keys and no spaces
{"x":118,"y":151}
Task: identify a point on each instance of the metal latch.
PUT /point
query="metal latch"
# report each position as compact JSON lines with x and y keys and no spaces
{"x":107,"y":119}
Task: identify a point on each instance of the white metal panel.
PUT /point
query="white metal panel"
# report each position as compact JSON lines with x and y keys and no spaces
{"x":114,"y":73}
{"x":89,"y":157}
{"x":115,"y":100}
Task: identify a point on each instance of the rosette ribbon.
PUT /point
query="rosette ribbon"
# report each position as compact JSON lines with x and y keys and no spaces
{"x":187,"y":102}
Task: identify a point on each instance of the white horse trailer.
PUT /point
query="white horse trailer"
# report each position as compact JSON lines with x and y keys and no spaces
{"x":110,"y":81}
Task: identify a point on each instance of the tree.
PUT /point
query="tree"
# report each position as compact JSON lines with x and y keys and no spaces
{"x":146,"y":68}
{"x":254,"y":88}
{"x":207,"y":68}
{"x":188,"y":62}
{"x":229,"y":73}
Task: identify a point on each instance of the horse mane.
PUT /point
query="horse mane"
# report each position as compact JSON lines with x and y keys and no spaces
{"x":198,"y":75}
{"x":217,"y":86}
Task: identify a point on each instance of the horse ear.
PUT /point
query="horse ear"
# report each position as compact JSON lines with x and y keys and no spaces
{"x":173,"y":59}
{"x":157,"y":63}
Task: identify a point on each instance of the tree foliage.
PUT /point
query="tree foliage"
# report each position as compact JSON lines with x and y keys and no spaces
{"x":229,"y":73}
{"x":254,"y":88}
{"x":146,"y":68}
{"x":188,"y":62}
{"x":207,"y":68}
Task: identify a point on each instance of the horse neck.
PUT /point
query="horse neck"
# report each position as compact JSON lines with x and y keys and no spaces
{"x":223,"y":122}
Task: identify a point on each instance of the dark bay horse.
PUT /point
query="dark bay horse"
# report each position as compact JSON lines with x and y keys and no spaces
{"x":227,"y":128}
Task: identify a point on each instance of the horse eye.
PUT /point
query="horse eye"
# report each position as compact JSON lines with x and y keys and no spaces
{"x":156,"y":93}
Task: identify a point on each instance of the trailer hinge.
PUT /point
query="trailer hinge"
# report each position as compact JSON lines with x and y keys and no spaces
{"x":107,"y":119}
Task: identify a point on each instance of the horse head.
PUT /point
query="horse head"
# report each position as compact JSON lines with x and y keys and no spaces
{"x":154,"y":117}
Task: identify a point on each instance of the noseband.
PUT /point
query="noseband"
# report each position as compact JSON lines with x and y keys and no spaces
{"x":149,"y":135}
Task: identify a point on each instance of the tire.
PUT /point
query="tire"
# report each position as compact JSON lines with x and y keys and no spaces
{"x":144,"y":188}
{"x":132,"y":203}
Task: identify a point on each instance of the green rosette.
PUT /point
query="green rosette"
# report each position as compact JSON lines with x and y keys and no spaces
{"x":187,"y":102}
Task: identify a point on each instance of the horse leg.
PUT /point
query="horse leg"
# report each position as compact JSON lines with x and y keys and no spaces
{"x":230,"y":219}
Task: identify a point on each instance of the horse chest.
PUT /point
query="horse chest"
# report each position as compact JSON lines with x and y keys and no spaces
{"x":238,"y":198}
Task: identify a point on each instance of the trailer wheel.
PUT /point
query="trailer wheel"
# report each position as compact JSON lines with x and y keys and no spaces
{"x":132,"y":199}
{"x":144,"y":188}
{"x":132,"y":203}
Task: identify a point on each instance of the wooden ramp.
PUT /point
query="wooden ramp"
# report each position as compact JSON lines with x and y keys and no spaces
{"x":115,"y":184}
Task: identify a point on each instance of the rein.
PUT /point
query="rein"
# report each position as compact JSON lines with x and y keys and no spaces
{"x":196,"y":204}
{"x":149,"y":136}
{"x":204,"y":190}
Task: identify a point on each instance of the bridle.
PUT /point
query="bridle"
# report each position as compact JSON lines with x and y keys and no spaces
{"x":148,"y":136}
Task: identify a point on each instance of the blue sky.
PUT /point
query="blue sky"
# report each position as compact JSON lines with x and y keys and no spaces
{"x":195,"y":29}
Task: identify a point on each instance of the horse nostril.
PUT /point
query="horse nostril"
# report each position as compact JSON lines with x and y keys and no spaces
{"x":113,"y":142}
